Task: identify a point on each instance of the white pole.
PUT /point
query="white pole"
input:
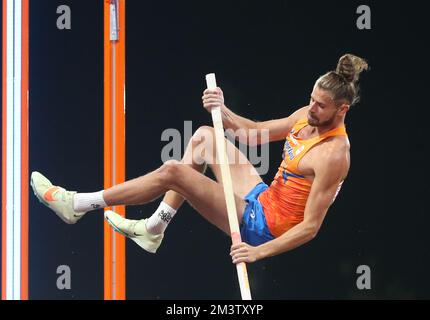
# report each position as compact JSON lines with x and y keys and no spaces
{"x":221,"y":151}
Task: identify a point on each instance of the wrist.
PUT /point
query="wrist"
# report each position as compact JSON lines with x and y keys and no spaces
{"x":226,"y":116}
{"x":263,"y":251}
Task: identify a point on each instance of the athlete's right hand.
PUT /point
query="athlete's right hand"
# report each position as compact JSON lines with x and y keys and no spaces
{"x":212,"y":98}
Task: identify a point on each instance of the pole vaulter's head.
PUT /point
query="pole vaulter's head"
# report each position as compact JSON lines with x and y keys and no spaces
{"x":336,"y":91}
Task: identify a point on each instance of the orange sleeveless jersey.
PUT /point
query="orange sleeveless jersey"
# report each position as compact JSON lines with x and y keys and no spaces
{"x":285,"y":200}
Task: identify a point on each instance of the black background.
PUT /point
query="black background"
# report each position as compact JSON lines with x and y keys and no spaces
{"x":267,"y":56}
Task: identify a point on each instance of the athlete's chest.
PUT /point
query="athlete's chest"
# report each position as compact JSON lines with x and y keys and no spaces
{"x":301,"y":150}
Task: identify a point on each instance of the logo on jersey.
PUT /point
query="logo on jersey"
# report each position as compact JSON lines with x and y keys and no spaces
{"x":288,"y":149}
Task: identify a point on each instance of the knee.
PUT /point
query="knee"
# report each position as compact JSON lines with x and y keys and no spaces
{"x":204,"y":138}
{"x":203,"y":133}
{"x":169,"y":172}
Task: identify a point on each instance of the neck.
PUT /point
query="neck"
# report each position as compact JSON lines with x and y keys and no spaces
{"x":336,"y":124}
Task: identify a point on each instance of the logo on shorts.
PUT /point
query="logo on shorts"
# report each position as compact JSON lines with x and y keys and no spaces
{"x":252,"y":214}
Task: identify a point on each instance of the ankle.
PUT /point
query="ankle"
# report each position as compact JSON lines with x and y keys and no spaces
{"x":83,"y":202}
{"x":161,"y":218}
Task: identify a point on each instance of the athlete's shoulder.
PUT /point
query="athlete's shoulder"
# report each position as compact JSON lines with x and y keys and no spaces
{"x":336,"y":146}
{"x":334,"y":154}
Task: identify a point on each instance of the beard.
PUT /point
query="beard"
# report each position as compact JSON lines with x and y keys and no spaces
{"x":315,"y":122}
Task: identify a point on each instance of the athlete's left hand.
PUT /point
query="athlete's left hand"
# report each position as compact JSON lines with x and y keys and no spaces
{"x":243,"y":252}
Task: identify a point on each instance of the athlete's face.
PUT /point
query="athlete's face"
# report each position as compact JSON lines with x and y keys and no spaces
{"x":322,"y":109}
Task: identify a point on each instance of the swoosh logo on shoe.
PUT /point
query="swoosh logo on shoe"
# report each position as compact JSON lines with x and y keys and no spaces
{"x":137,"y":235}
{"x":48,"y":196}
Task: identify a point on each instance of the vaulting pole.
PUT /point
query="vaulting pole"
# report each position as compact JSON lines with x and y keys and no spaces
{"x":221,"y":151}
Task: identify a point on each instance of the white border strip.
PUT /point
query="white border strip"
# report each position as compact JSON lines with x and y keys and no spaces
{"x":17,"y":150}
{"x":13,"y":148}
{"x":9,"y":147}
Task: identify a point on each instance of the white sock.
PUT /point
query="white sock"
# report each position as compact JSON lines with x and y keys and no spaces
{"x":158,"y":222}
{"x":83,"y":202}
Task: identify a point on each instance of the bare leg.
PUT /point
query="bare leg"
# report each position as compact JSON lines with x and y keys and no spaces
{"x":243,"y":173}
{"x":204,"y":194}
{"x":185,"y":180}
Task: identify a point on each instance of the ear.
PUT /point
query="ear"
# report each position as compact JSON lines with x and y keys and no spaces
{"x":343,"y":109}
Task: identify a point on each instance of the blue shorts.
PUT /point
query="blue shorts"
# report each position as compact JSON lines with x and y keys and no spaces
{"x":253,"y":228}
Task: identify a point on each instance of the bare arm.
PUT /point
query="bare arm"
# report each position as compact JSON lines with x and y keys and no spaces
{"x":279,"y":128}
{"x":328,"y":175}
{"x":245,"y":128}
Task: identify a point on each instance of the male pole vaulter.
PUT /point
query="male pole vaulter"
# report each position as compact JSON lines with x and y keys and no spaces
{"x":273,"y":219}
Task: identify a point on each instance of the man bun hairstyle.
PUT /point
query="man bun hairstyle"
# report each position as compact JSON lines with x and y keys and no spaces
{"x":343,"y":83}
{"x":350,"y":67}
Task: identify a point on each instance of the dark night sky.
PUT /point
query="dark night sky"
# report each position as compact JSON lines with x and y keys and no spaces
{"x":267,"y":56}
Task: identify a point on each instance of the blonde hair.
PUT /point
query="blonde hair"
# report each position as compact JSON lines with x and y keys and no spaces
{"x":343,"y":83}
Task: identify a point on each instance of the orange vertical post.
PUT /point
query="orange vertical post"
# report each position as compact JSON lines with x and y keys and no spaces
{"x":24,"y":149}
{"x":114,"y":140}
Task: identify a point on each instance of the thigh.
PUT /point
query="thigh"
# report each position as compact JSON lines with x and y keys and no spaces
{"x":204,"y":195}
{"x":244,"y":175}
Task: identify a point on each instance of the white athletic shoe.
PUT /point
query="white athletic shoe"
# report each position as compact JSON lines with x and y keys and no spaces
{"x":56,"y":198}
{"x":135,"y":230}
